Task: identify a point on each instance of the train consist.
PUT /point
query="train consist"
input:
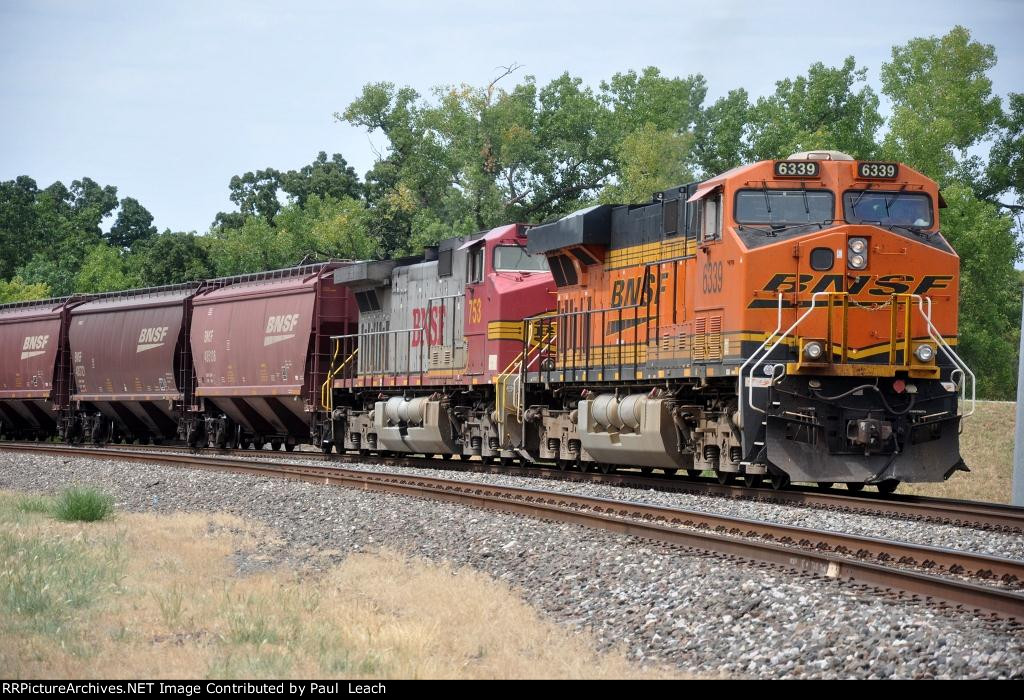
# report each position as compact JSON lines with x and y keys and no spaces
{"x":793,"y":320}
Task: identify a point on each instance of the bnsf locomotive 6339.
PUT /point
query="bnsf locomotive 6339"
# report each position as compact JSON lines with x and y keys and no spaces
{"x":792,"y":320}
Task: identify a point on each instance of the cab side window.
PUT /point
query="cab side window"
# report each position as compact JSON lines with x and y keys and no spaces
{"x":476,"y":264}
{"x":711,"y":217}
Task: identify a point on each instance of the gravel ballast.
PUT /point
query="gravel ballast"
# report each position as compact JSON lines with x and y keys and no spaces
{"x":968,"y":539}
{"x":665,"y":604}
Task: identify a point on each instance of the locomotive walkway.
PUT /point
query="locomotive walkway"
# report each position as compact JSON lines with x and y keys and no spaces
{"x":950,"y":576}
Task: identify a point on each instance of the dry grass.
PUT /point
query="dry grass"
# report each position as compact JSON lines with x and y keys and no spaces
{"x":987,"y":447}
{"x":144,"y":596}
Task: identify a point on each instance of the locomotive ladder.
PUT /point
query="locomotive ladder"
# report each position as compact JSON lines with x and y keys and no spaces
{"x":510,"y":381}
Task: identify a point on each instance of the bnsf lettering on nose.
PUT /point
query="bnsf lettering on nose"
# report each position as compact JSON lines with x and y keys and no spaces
{"x":153,"y":335}
{"x":35,"y":342}
{"x":282,"y":324}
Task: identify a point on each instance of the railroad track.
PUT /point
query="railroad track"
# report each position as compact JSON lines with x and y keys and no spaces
{"x":988,"y":516}
{"x":923,"y":572}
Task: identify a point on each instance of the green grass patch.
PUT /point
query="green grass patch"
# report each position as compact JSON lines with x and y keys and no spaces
{"x":35,"y":504}
{"x":83,"y":504}
{"x":45,"y":583}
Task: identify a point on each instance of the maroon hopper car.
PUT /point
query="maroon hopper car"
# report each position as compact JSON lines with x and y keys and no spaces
{"x":261,"y":346}
{"x":132,"y":371}
{"x":33,"y":366}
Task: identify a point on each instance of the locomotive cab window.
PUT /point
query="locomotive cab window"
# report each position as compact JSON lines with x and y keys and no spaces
{"x":888,"y":208}
{"x":475,"y":261}
{"x":711,"y":218}
{"x":784,"y":207}
{"x":513,"y":258}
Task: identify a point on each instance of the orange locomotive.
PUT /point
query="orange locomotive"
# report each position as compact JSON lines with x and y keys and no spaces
{"x":792,"y":319}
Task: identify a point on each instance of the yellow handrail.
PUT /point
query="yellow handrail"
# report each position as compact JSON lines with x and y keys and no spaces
{"x":326,"y":397}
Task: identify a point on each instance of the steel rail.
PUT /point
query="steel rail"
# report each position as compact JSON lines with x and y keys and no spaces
{"x":829,"y":554}
{"x":977,"y":514}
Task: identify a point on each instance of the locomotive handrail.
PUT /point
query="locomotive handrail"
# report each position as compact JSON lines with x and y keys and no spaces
{"x":768,"y":338}
{"x":934,"y":334}
{"x":769,"y":351}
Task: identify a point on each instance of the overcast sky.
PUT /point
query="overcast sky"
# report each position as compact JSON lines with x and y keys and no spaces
{"x":167,"y":101}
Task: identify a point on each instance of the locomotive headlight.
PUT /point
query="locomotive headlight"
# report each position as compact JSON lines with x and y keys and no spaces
{"x":858,"y":259}
{"x":924,"y":353}
{"x":813,"y":351}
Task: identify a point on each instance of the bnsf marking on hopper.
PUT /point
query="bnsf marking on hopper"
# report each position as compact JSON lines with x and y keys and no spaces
{"x":150,"y":338}
{"x":34,"y":345}
{"x":282,"y":326}
{"x":878,"y":286}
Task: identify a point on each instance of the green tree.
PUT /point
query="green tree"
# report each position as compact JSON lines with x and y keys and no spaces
{"x":651,"y":160}
{"x":104,"y":270}
{"x":720,"y":134}
{"x":254,"y":246}
{"x":327,"y":228}
{"x":942,"y":102}
{"x":990,"y":292}
{"x":134,"y":224}
{"x":324,"y":178}
{"x":18,"y":289}
{"x":819,"y":111}
{"x":1005,"y":171}
{"x":19,"y":223}
{"x":171,"y":258}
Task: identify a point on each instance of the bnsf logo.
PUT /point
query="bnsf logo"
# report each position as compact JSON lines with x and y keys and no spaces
{"x":153,"y":335}
{"x":282,"y":324}
{"x":35,"y":342}
{"x":880,"y":286}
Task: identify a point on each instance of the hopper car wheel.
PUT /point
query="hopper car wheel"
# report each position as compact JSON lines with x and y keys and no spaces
{"x":824,"y":484}
{"x":506,"y":461}
{"x":779,"y":481}
{"x":327,"y":448}
{"x":584,"y":466}
{"x":855,"y":487}
{"x":560,"y":465}
{"x":275,"y":445}
{"x":693,"y":473}
{"x":606,"y":468}
{"x":752,"y":481}
{"x":646,"y":471}
{"x":446,"y":457}
{"x":888,"y":486}
{"x":289,"y":447}
{"x":723,"y":477}
{"x":670,"y":472}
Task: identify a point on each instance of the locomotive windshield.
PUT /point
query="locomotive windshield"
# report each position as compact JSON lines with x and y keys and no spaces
{"x":513,"y":258}
{"x":887,"y":208}
{"x":785,"y":207}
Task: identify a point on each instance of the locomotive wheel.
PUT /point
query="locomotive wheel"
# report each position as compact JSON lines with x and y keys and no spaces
{"x":824,"y":484}
{"x":853,"y":486}
{"x":752,"y":480}
{"x":779,"y":481}
{"x":888,"y":486}
{"x":327,"y":448}
{"x":723,"y":477}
